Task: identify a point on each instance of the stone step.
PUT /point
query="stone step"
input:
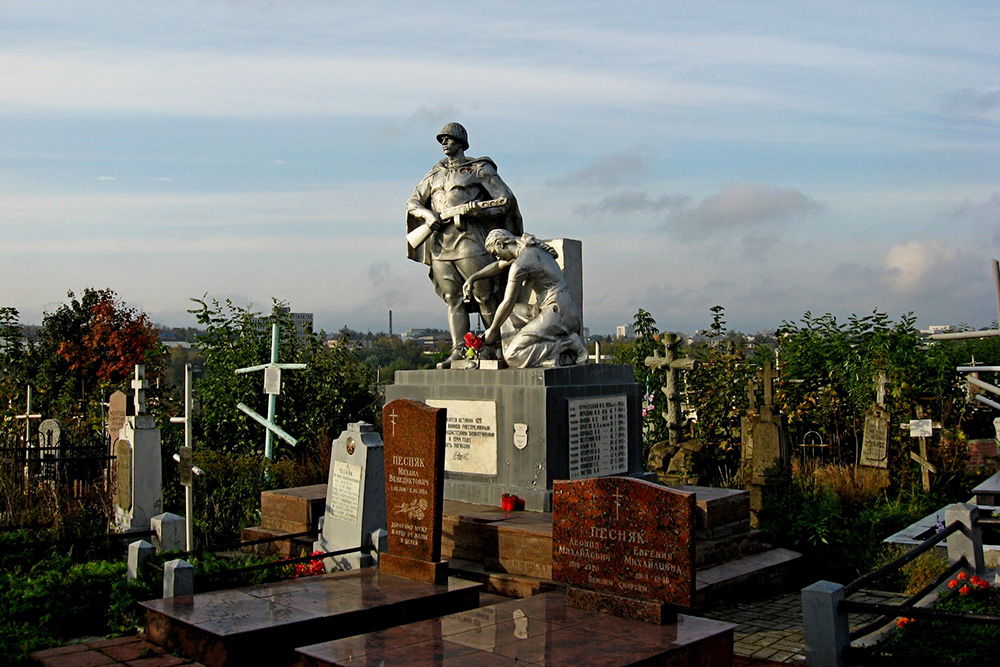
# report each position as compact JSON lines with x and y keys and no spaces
{"x":750,"y":576}
{"x":709,"y":553}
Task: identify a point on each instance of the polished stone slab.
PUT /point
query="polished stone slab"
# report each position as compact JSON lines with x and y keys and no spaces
{"x":539,"y":630}
{"x":264,"y":624}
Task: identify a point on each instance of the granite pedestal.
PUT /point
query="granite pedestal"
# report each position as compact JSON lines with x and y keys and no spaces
{"x":262,"y":625}
{"x":515,"y":431}
{"x":539,"y":630}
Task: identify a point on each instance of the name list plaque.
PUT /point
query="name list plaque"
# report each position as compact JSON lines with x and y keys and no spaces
{"x":598,"y":436}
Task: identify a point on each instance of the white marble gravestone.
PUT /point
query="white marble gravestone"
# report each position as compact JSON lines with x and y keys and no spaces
{"x":355,"y":498}
{"x":139,"y":466}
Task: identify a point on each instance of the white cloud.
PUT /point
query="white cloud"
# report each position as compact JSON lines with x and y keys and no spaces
{"x":741,"y":206}
{"x":925,"y":264}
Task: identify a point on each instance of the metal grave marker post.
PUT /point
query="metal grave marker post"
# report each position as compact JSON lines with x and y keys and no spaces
{"x":185,"y":457}
{"x":272,"y":387}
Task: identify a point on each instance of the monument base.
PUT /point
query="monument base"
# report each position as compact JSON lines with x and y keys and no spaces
{"x":429,"y":572}
{"x":622,"y":606}
{"x":514,"y":431}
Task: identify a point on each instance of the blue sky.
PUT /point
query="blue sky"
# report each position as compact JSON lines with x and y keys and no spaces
{"x":770,"y":157}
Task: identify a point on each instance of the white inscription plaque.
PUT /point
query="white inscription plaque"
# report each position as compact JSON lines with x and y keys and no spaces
{"x":470,"y":436}
{"x":598,"y":436}
{"x":345,"y":491}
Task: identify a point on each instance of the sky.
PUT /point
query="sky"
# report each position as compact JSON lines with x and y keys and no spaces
{"x":774,"y":158}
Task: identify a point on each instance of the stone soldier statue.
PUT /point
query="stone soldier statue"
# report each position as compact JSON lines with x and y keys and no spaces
{"x":448,"y":216}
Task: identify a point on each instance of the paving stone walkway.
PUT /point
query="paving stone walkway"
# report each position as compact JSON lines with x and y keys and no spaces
{"x":771,"y":628}
{"x":132,"y":651}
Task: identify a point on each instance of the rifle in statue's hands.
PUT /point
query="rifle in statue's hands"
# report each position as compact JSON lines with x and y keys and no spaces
{"x":417,"y":236}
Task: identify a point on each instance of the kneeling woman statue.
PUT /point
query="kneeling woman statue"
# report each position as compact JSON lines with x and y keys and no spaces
{"x":546,"y":333}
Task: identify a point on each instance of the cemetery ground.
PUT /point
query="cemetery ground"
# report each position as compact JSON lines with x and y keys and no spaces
{"x":61,"y":583}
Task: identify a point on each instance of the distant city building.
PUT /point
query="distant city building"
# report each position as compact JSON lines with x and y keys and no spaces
{"x":938,"y":329}
{"x":303,"y":323}
{"x":432,"y":340}
{"x":623,"y":331}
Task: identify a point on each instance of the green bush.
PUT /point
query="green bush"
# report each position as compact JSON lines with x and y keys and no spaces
{"x":54,"y":600}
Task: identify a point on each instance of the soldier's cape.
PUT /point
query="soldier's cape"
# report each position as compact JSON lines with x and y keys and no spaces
{"x":511,"y":221}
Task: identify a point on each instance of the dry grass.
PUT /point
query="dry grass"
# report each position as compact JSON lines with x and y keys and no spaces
{"x":853,"y":485}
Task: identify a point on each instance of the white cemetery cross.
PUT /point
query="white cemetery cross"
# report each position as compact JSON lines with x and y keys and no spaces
{"x":272,"y":387}
{"x":27,"y":417}
{"x":140,"y":385}
{"x":923,"y":429}
{"x":185,"y":459}
{"x":140,"y":475}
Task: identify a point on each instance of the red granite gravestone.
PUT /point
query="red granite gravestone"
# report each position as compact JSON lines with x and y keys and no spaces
{"x":626,"y":547}
{"x":413,"y":434}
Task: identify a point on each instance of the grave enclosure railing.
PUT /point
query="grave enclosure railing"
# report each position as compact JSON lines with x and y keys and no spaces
{"x":70,"y":464}
{"x":206,"y":581}
{"x":825,"y":605}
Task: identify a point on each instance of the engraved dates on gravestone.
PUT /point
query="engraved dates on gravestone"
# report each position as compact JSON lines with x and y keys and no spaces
{"x":414,"y":476}
{"x":625,"y":537}
{"x":118,"y":408}
{"x":598,"y":436}
{"x":123,"y":461}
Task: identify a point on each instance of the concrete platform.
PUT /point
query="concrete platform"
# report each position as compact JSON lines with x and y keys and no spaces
{"x":540,"y":630}
{"x":263,"y":624}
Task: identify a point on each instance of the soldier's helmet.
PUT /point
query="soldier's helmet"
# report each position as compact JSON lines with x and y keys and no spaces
{"x":455,"y":131}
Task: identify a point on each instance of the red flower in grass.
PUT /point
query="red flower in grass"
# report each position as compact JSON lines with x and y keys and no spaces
{"x":953,"y":583}
{"x":964,"y":590}
{"x":962,"y":575}
{"x":903,"y":622}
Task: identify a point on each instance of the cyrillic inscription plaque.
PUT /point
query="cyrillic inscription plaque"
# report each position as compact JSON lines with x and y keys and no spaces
{"x":598,"y":436}
{"x":344,"y":495}
{"x":470,"y":436}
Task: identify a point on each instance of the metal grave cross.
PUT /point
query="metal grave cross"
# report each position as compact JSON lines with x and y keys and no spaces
{"x":185,"y":458}
{"x":923,"y":429}
{"x":272,"y":387}
{"x":27,"y":417}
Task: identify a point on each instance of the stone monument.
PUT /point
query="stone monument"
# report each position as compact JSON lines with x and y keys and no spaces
{"x":139,"y":493}
{"x":414,"y":475}
{"x":355,"y":499}
{"x":512,"y":431}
